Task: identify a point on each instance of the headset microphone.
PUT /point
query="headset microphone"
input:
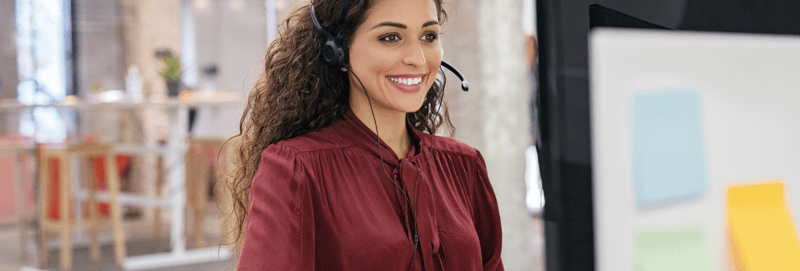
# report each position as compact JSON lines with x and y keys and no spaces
{"x":464,"y":84}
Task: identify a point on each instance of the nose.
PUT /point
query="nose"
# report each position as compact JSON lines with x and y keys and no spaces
{"x":414,"y":54}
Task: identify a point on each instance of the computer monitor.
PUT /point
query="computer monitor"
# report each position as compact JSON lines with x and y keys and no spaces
{"x":602,"y":16}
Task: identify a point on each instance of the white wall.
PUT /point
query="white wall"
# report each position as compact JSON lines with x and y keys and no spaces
{"x":232,"y":35}
{"x":506,"y":121}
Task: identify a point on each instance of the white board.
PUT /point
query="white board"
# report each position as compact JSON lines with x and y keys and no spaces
{"x":749,"y":87}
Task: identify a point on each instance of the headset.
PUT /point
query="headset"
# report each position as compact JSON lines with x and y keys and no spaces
{"x":334,"y":53}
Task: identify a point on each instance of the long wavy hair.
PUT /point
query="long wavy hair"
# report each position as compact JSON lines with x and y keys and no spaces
{"x":298,"y":93}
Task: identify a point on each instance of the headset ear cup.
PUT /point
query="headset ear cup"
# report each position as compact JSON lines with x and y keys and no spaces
{"x":333,"y":54}
{"x":329,"y":52}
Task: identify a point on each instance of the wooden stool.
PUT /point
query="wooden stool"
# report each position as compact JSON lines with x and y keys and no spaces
{"x":202,"y":171}
{"x":206,"y":168}
{"x":18,"y":152}
{"x":63,"y":223}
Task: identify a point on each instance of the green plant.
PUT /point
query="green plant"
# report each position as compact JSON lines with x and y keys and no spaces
{"x":173,"y":70}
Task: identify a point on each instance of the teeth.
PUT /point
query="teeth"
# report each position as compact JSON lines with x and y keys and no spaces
{"x":406,"y":81}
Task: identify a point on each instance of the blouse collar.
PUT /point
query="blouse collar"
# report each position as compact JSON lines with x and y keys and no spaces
{"x":361,"y":136}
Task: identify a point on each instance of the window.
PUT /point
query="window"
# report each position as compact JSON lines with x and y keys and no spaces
{"x":42,"y":43}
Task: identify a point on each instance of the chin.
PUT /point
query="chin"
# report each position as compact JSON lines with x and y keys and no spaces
{"x":413,"y":107}
{"x":409,"y":104}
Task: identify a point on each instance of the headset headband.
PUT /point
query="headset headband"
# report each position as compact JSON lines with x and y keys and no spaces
{"x":333,"y":52}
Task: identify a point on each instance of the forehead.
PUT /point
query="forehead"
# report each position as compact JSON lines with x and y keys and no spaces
{"x":402,"y":11}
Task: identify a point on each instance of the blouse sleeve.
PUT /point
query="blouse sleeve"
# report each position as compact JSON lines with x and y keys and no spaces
{"x":279,"y":232}
{"x":487,"y":219}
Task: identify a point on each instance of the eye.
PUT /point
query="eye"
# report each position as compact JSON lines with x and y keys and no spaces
{"x":430,"y":37}
{"x":390,"y":38}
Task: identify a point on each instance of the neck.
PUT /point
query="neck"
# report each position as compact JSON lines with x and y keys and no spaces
{"x":391,"y":127}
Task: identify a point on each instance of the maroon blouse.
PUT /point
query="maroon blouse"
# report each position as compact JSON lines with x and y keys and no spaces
{"x":321,"y":201}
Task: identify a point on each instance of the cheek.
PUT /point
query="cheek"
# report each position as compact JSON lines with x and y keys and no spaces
{"x":375,"y":59}
{"x":377,"y":64}
{"x":434,"y":57}
{"x":365,"y":61}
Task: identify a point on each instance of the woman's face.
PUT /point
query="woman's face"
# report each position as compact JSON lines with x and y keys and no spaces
{"x":396,"y":53}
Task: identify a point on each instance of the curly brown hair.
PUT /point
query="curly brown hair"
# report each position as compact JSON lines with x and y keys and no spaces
{"x":298,"y":93}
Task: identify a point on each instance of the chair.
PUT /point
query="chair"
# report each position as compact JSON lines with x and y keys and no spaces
{"x":62,"y":220}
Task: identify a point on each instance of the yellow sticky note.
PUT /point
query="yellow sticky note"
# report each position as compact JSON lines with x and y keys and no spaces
{"x":761,"y":230}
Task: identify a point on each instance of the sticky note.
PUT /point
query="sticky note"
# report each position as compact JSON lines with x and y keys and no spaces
{"x":672,"y":249}
{"x":760,"y":227}
{"x":668,"y":152}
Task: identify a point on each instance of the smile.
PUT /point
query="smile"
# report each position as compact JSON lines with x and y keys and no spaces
{"x":407,"y":81}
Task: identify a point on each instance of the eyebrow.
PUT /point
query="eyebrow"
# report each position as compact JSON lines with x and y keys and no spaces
{"x":399,"y":25}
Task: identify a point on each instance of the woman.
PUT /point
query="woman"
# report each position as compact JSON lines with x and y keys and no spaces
{"x":338,"y":167}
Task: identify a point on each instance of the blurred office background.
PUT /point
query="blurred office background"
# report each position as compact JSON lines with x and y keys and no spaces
{"x":82,"y":73}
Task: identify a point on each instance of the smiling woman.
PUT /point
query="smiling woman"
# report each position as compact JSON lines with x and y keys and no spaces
{"x":338,"y":166}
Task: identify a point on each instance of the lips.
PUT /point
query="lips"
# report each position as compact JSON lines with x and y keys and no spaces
{"x":407,"y":83}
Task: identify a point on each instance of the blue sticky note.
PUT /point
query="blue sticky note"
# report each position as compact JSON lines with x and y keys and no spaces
{"x":668,"y":152}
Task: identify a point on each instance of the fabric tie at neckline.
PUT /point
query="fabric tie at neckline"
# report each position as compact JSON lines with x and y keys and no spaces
{"x":422,"y":202}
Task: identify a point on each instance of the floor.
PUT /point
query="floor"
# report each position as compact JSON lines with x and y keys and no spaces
{"x":11,"y":260}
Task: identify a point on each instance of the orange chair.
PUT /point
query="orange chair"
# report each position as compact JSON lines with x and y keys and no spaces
{"x":56,"y":185}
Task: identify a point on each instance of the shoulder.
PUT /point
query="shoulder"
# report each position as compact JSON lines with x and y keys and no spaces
{"x":295,"y":156}
{"x":464,"y":164}
{"x":454,"y":147}
{"x":324,"y":139}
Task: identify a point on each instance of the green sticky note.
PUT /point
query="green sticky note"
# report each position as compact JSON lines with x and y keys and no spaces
{"x":671,"y":249}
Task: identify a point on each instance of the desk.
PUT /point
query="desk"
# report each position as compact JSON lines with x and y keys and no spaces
{"x":174,"y":152}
